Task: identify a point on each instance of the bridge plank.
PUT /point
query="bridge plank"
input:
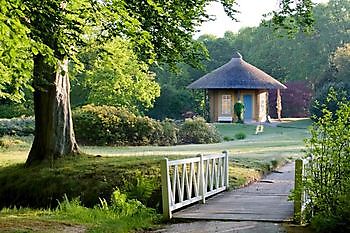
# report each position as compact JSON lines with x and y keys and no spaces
{"x":266,"y":200}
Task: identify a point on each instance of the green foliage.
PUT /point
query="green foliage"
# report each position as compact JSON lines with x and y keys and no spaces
{"x":16,"y":46}
{"x":293,"y":19}
{"x":122,"y":206}
{"x":12,"y":110}
{"x":328,"y":97}
{"x":334,"y":80}
{"x":173,"y":101}
{"x":328,"y":177}
{"x":42,"y":186}
{"x":120,"y":214}
{"x":341,"y":62}
{"x":197,"y":131}
{"x":17,"y":126}
{"x":239,"y":111}
{"x":170,"y":133}
{"x":227,"y":138}
{"x":240,"y":136}
{"x":55,"y":29}
{"x":118,"y":74}
{"x":107,"y":125}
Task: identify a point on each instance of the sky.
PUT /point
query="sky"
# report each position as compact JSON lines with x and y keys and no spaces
{"x":251,"y":15}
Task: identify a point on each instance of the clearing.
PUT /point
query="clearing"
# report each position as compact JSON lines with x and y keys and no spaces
{"x":250,"y":158}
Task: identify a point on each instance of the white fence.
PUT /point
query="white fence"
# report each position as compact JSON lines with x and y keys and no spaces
{"x":301,"y":196}
{"x":191,"y":180}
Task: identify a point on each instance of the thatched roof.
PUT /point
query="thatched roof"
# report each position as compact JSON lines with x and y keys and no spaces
{"x":237,"y":74}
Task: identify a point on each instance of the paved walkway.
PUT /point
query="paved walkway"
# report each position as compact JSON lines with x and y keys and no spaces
{"x":264,"y":201}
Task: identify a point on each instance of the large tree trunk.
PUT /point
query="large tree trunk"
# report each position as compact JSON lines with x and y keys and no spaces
{"x":54,"y":135}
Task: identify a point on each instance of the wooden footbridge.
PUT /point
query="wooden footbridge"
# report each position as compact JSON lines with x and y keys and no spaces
{"x":189,"y":181}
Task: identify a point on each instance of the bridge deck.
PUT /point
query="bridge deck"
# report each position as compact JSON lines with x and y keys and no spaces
{"x":266,"y":200}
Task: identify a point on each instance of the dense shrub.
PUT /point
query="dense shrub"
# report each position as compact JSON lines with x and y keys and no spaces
{"x":17,"y":126}
{"x":145,"y":131}
{"x":11,"y":110}
{"x":328,"y":177}
{"x":107,"y":125}
{"x":197,"y":131}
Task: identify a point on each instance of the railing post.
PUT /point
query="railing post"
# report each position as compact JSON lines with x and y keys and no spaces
{"x":202,"y":182}
{"x":298,"y":190}
{"x":164,"y":169}
{"x":226,"y":170}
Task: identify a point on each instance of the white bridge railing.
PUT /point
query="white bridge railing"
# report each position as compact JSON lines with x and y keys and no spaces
{"x":186,"y":181}
{"x":301,"y":195}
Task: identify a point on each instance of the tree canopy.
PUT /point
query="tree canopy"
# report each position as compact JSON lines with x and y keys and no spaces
{"x":118,"y":74}
{"x":39,"y":37}
{"x":158,"y":31}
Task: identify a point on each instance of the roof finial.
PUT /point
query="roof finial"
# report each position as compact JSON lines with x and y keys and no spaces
{"x":237,"y":55}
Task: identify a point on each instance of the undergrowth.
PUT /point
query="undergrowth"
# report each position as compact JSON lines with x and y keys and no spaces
{"x":119,"y":215}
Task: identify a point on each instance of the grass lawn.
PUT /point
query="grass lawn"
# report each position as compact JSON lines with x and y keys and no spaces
{"x":133,"y":170}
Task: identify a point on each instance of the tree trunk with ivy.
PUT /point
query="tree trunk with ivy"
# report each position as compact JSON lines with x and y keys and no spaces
{"x":54,"y":134}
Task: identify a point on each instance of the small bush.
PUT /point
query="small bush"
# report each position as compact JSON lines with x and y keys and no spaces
{"x":17,"y":126}
{"x":239,"y":111}
{"x":198,"y":131}
{"x":227,"y":138}
{"x":240,"y":136}
{"x":170,"y":133}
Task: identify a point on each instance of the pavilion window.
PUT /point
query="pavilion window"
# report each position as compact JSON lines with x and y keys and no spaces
{"x":226,"y":105}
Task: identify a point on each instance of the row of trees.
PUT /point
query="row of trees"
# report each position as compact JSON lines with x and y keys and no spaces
{"x":119,"y":71}
{"x":312,"y":59}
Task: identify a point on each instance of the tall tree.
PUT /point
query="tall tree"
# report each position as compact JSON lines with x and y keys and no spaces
{"x":124,"y":80}
{"x":52,"y":31}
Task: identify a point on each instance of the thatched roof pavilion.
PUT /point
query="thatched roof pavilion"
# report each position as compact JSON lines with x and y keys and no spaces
{"x":236,"y":81}
{"x":237,"y":74}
